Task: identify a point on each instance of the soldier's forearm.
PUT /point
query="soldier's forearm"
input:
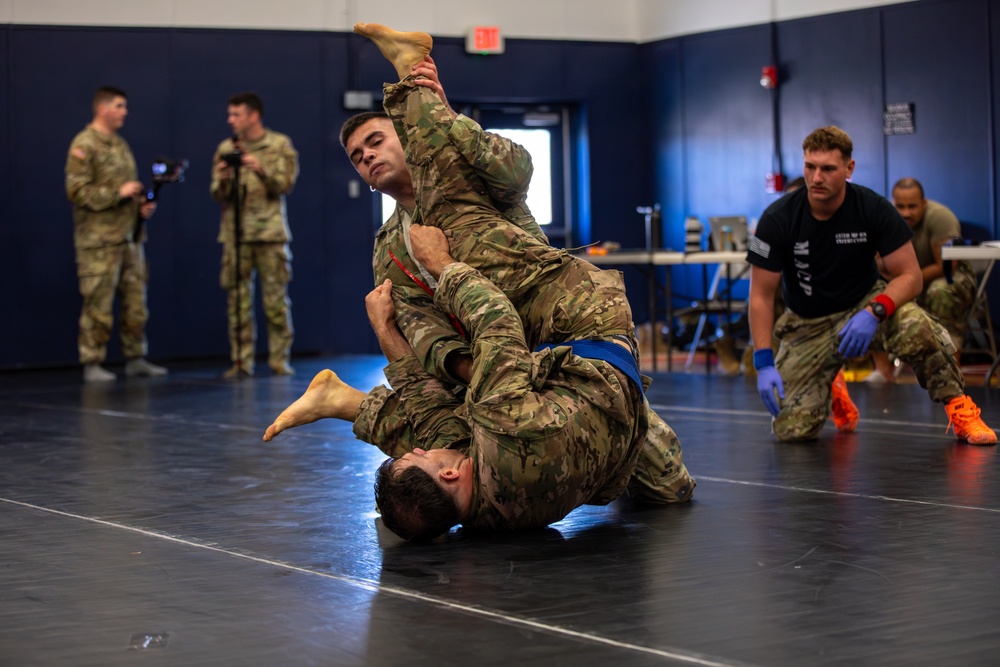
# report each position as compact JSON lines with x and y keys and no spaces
{"x":95,"y":197}
{"x":221,"y":190}
{"x":459,"y":366}
{"x":276,"y":185}
{"x":394,"y":345}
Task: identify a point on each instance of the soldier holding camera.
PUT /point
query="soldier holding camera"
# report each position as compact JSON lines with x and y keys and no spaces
{"x":254,"y":170}
{"x":108,"y":204}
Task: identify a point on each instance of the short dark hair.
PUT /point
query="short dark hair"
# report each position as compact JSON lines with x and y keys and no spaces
{"x":412,"y":504}
{"x":829,"y":138}
{"x":251,"y":100}
{"x":356,"y":121}
{"x":105,"y":94}
{"x":907,"y":183}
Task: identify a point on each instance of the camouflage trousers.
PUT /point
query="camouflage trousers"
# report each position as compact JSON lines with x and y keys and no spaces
{"x":950,"y":302}
{"x":103,"y":273}
{"x":659,"y":476}
{"x":559,"y":297}
{"x":272,"y":262}
{"x":808,"y":361}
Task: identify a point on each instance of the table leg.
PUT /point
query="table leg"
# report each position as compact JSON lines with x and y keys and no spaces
{"x":670,"y":319}
{"x":651,"y":286}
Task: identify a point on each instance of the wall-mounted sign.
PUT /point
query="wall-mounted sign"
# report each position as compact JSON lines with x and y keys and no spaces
{"x":898,"y":119}
{"x":484,"y":39}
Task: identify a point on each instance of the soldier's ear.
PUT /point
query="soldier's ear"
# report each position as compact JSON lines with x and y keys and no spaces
{"x":448,"y":474}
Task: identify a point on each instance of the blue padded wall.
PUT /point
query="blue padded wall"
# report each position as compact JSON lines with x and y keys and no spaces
{"x":51,"y":103}
{"x":11,"y":294}
{"x":683,"y":122}
{"x":712,"y":130}
{"x":832,"y":75}
{"x":950,"y":88}
{"x":178,"y":82}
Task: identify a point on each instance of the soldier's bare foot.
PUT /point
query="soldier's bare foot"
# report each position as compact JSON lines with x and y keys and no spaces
{"x":326,"y":396}
{"x":402,"y":49}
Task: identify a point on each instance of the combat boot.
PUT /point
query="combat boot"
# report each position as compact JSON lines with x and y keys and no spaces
{"x":725,"y":348}
{"x":96,"y":373}
{"x":845,"y":413}
{"x":963,"y":415}
{"x":238,"y":371}
{"x":139,"y":367}
{"x":747,"y":363}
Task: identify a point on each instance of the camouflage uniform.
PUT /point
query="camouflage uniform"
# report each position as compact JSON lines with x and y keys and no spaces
{"x":949,"y":301}
{"x":548,"y":431}
{"x":263,"y":247}
{"x":108,"y":259}
{"x":808,"y":361}
{"x":505,"y":168}
{"x":561,"y":297}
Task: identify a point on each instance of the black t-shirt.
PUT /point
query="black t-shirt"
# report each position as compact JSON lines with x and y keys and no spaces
{"x":826,"y":266}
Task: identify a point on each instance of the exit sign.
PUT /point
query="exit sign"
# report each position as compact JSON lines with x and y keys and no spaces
{"x":484,"y":39}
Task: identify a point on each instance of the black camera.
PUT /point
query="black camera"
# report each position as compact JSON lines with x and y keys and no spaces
{"x":166,"y":170}
{"x":234,"y":159}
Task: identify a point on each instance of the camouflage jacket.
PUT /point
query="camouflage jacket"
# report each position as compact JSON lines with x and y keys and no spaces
{"x":505,"y":168}
{"x":550,"y":431}
{"x":263,"y":216}
{"x":97,"y":165}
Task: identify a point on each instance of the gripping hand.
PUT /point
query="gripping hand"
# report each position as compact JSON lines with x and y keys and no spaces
{"x":857,"y":335}
{"x":768,"y":380}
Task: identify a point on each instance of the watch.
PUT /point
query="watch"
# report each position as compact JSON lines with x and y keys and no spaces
{"x":878,"y":309}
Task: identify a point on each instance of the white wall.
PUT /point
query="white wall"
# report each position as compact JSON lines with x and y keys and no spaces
{"x":599,"y":20}
{"x":670,"y":18}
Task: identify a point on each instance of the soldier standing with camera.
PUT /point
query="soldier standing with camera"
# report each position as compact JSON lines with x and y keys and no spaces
{"x":254,"y":170}
{"x":108,"y":204}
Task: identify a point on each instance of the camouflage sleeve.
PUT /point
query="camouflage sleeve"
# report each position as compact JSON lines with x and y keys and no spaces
{"x":280,"y":169}
{"x":549,"y":430}
{"x":504,"y":165}
{"x":219,"y":189}
{"x":429,"y":406}
{"x":82,"y":186}
{"x":502,"y":363}
{"x":943,"y":224}
{"x":429,"y":331}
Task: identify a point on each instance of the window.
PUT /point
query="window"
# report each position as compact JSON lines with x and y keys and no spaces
{"x":541,"y":131}
{"x":538,"y":143}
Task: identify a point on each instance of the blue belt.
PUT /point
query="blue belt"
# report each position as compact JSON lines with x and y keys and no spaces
{"x":613,"y":353}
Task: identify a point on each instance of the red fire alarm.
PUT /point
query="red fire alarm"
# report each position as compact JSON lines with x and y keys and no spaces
{"x":774,"y":183}
{"x":769,"y":77}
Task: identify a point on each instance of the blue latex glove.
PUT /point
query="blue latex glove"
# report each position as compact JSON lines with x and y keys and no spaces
{"x":857,"y":335}
{"x":768,"y":380}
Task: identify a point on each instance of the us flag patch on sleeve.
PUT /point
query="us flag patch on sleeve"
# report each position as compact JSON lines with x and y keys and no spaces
{"x":78,"y":153}
{"x":755,"y":245}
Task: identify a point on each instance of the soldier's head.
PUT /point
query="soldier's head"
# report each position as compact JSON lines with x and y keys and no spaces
{"x":828,"y":165}
{"x":110,"y":107}
{"x":419,"y":494}
{"x":373,"y":147}
{"x":829,"y":138}
{"x":908,"y":198}
{"x":246,"y":115}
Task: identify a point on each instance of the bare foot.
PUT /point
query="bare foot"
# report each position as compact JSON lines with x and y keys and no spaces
{"x":326,"y":396}
{"x":402,"y":49}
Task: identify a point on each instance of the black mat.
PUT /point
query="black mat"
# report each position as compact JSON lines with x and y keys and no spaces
{"x":146,"y":520}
